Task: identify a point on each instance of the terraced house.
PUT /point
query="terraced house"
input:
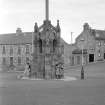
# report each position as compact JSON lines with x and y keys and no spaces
{"x":15,"y":49}
{"x":90,"y":43}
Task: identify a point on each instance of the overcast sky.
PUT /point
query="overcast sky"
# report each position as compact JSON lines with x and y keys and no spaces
{"x":71,"y":13}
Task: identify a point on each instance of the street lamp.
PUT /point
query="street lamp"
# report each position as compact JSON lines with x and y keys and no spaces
{"x":71,"y":37}
{"x":82,"y":69}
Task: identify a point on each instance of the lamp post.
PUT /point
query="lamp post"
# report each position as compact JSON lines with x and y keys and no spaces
{"x":71,"y":37}
{"x":82,"y":69}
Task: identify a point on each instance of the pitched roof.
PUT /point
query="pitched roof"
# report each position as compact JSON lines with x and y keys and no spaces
{"x":24,"y":38}
{"x":12,"y":38}
{"x":99,"y":34}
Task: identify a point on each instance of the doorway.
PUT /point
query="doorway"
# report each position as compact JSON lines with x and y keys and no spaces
{"x":91,"y":57}
{"x":11,"y":61}
{"x":104,"y":55}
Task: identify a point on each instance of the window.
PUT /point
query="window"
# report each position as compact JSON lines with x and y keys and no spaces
{"x":4,"y":61}
{"x":27,"y":49}
{"x":27,"y":59}
{"x":19,"y":60}
{"x":11,"y":60}
{"x":19,"y":50}
{"x":92,"y":49}
{"x":4,"y":52}
{"x":99,"y":53}
{"x":54,"y":45}
{"x":11,"y":50}
{"x":78,"y":59}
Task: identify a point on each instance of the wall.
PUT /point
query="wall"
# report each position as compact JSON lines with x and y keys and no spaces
{"x":15,"y":54}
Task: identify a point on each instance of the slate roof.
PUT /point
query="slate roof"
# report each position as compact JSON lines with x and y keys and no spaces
{"x":24,"y":38}
{"x":98,"y":34}
{"x":12,"y":38}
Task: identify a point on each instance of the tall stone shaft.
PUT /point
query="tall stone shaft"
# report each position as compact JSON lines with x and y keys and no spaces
{"x":47,"y":9}
{"x":48,"y":50}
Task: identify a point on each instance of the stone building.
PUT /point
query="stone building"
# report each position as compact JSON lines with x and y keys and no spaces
{"x":43,"y":48}
{"x":15,"y":49}
{"x":92,"y":43}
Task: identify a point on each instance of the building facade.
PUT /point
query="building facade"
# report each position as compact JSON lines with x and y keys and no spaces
{"x":15,"y":49}
{"x":90,"y":44}
{"x":42,"y":48}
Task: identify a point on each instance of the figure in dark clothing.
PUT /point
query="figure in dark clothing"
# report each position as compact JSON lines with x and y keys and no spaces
{"x":59,"y":71}
{"x":82,"y":73}
{"x":29,"y":68}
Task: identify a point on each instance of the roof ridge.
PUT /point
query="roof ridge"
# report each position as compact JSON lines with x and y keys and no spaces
{"x":98,"y":30}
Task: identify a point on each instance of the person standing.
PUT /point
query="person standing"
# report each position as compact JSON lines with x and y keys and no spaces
{"x":26,"y":71}
{"x":82,"y":73}
{"x":29,"y":68}
{"x":57,"y":71}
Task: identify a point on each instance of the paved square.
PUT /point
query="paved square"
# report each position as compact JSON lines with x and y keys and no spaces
{"x":90,"y":91}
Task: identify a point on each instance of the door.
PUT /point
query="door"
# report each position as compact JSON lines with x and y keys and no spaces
{"x":104,"y":55}
{"x":11,"y":61}
{"x":91,"y":57}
